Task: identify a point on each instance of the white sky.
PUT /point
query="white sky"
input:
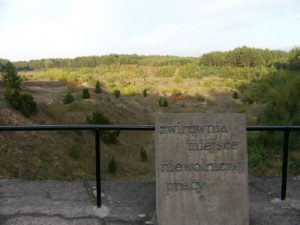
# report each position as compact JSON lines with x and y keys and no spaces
{"x":32,"y":29}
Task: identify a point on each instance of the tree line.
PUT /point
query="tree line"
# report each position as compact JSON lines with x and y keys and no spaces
{"x":94,"y":61}
{"x":238,"y":57}
{"x":245,"y":57}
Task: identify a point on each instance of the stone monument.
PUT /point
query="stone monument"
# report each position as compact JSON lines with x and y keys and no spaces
{"x":201,"y":169}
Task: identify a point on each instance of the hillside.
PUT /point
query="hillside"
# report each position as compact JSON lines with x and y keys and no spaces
{"x":186,"y":84}
{"x":34,"y":155}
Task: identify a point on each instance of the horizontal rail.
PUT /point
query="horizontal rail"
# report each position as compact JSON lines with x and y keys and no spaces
{"x":124,"y":127}
{"x":75,"y":127}
{"x":273,"y":128}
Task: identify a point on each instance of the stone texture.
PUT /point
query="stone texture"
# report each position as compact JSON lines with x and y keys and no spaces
{"x":201,"y":169}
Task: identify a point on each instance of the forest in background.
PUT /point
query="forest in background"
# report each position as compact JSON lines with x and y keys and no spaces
{"x":239,"y":57}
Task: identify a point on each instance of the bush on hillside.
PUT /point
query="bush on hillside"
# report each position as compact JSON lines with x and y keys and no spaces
{"x":294,"y":59}
{"x":9,"y":77}
{"x":163,"y":102}
{"x":112,"y":166}
{"x":68,"y":98}
{"x":145,"y":93}
{"x":117,"y":93}
{"x":97,"y":88}
{"x":73,"y":151}
{"x":200,"y":98}
{"x":143,"y":154}
{"x":22,"y":102}
{"x":86,"y":93}
{"x":107,"y":136}
{"x":27,"y":105}
{"x":176,"y":93}
{"x":235,"y":95}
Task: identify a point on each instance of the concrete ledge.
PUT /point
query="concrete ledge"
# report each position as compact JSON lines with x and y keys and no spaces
{"x":130,"y":203}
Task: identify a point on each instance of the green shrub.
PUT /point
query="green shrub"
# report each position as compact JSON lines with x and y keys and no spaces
{"x":248,"y":100}
{"x":27,"y":105}
{"x":177,"y":78}
{"x":165,"y":71}
{"x":235,"y":95}
{"x":260,"y":153}
{"x":107,"y":136}
{"x":112,"y":166}
{"x":259,"y":160}
{"x":107,"y":99}
{"x":200,"y":98}
{"x":12,"y":96}
{"x":145,"y":93}
{"x":117,"y":93}
{"x":98,"y":87}
{"x":163,"y":102}
{"x":97,"y":118}
{"x":9,"y":77}
{"x":143,"y":154}
{"x":21,"y":102}
{"x":73,"y":151}
{"x":86,"y":93}
{"x":129,"y":91}
{"x":176,"y":93}
{"x":294,"y":165}
{"x":110,"y":136}
{"x":68,"y":98}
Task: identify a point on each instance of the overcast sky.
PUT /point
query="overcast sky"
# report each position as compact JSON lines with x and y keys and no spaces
{"x":33,"y":29}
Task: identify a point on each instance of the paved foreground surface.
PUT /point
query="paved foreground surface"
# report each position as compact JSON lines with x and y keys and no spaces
{"x":130,"y":203}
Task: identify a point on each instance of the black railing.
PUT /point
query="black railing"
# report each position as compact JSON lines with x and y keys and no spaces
{"x":97,"y":130}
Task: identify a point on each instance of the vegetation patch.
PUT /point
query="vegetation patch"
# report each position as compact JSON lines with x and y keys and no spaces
{"x":117,"y":93}
{"x":143,"y":154}
{"x":11,"y":81}
{"x":73,"y":151}
{"x":107,"y":136}
{"x":98,"y":87}
{"x":112,"y":166}
{"x":86,"y":93}
{"x":162,"y":102}
{"x":69,"y":98}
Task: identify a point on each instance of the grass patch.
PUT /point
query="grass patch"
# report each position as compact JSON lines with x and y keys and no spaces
{"x":73,"y":151}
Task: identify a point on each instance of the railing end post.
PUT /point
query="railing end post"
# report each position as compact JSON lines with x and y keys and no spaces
{"x":285,"y":155}
{"x":98,"y":166}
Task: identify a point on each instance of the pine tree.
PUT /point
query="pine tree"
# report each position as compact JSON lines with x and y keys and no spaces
{"x":98,"y":88}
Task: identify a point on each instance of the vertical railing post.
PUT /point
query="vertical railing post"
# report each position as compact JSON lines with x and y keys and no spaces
{"x":285,"y":155}
{"x":98,"y":172}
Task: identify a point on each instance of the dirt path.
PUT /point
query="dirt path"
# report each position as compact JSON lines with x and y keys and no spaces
{"x":46,"y":91}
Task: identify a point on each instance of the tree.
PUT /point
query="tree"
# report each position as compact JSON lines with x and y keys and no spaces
{"x":98,"y":87}
{"x":294,"y":59}
{"x":117,"y":93}
{"x":8,"y":75}
{"x":11,"y":81}
{"x":145,"y":93}
{"x":85,"y":93}
{"x":162,"y":102}
{"x":21,"y":102}
{"x":68,"y":98}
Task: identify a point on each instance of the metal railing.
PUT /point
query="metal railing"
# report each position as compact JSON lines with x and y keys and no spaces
{"x":97,"y":130}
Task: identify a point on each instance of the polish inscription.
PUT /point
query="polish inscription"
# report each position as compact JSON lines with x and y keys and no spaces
{"x":201,"y":169}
